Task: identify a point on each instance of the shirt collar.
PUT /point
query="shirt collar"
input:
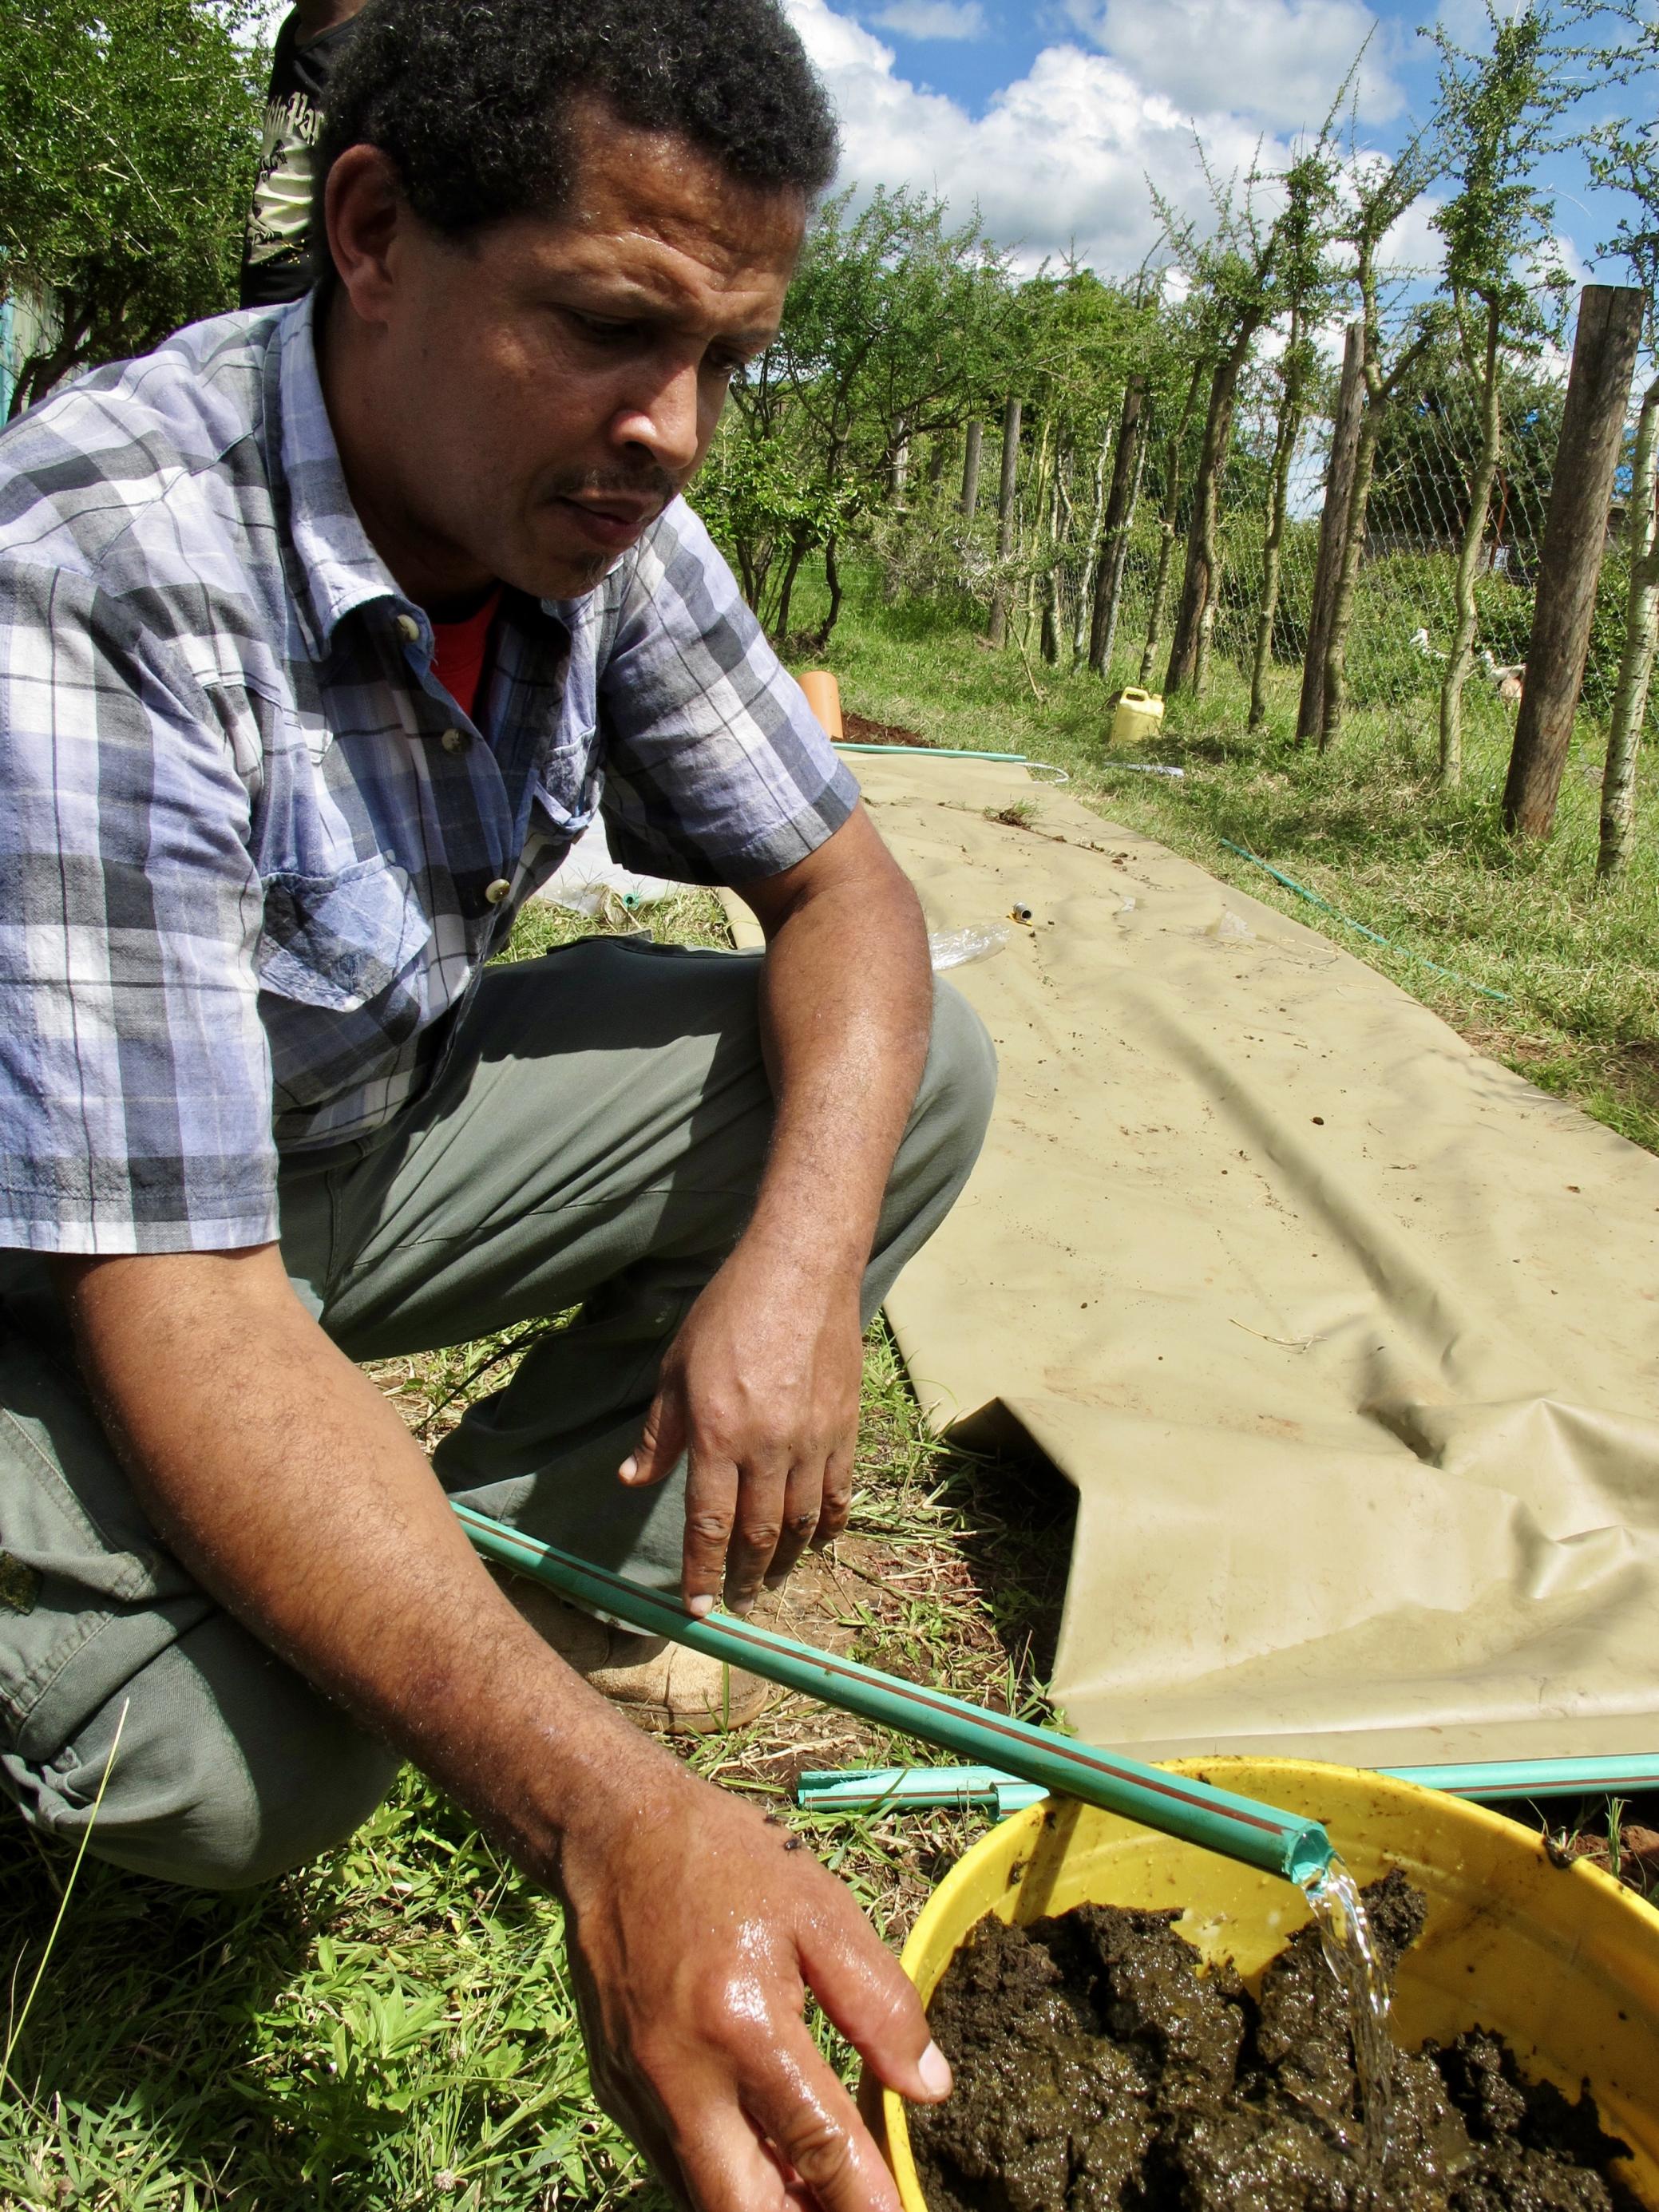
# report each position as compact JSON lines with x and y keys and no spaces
{"x":336,"y":569}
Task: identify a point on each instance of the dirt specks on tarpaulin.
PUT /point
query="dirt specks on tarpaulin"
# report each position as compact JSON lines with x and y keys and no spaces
{"x":1100,"y":2065}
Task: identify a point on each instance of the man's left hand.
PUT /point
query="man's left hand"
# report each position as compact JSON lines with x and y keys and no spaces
{"x":760,"y":1389}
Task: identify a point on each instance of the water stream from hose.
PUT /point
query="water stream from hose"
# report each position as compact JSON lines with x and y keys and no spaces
{"x":1350,"y":1954}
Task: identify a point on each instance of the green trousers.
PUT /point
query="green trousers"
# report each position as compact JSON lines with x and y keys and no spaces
{"x":595,"y":1138}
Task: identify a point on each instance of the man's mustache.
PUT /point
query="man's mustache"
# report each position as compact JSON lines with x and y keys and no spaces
{"x":652,"y":483}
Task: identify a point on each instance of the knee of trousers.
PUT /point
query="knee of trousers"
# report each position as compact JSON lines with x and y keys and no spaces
{"x":958,"y":1087}
{"x":229,"y":1769}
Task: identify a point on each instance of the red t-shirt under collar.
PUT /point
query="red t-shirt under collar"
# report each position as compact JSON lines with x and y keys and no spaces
{"x":459,"y":652}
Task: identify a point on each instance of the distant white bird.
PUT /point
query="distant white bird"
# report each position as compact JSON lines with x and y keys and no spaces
{"x":1508,"y":682}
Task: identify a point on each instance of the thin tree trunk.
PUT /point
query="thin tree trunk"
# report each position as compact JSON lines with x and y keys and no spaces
{"x":1167,"y":522}
{"x":1062,"y":529}
{"x":970,"y":501}
{"x":1061,"y":519}
{"x":1468,"y":560}
{"x":791,"y":569}
{"x":1119,"y":565}
{"x":1629,"y":697}
{"x":1088,"y":579}
{"x":1155,"y":613}
{"x":1332,"y":532}
{"x":1042,"y":534}
{"x":1195,"y":614}
{"x":1278,"y":493}
{"x":1335,"y":699}
{"x":1379,"y":397}
{"x":746,"y":574}
{"x":996,"y":630}
{"x":1127,"y":466}
{"x":899,"y":465}
{"x":832,"y":578}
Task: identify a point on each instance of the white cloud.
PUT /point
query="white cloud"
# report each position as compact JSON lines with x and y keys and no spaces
{"x":1278,"y":61}
{"x":1059,"y":159}
{"x":932,"y":19}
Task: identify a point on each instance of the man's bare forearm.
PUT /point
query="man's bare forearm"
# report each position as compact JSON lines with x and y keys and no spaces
{"x":846,"y":1007}
{"x":283,"y":1480}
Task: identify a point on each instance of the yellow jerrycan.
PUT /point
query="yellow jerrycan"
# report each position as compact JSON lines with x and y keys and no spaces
{"x":1138,"y":718}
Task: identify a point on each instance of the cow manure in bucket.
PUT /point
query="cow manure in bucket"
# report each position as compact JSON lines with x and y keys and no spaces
{"x":1100,"y":2063}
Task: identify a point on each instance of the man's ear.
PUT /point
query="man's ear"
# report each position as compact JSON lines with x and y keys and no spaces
{"x":365,"y":212}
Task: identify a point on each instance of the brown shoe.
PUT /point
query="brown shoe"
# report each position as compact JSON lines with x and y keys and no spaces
{"x":660,"y":1684}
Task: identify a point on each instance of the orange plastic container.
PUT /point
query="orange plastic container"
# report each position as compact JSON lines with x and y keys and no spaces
{"x":823,"y":697}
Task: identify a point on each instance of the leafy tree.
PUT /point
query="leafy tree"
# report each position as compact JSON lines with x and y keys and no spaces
{"x":1154,"y":375}
{"x":762,"y":497}
{"x":128,"y":132}
{"x":1500,"y":112}
{"x":1380,"y":195}
{"x":1176,"y":437}
{"x":1233,"y":272}
{"x":892,"y":334}
{"x":1624,"y":154}
{"x":1079,"y":339}
{"x":1307,"y":286}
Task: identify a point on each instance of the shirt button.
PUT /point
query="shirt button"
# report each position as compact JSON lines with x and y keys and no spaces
{"x":495,"y":893}
{"x":456,"y":741}
{"x":408,"y":628}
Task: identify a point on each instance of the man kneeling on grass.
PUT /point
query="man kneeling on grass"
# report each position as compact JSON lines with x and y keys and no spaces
{"x":326,"y":631}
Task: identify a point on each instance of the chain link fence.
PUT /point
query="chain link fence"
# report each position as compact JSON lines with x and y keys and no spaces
{"x":1405,"y":613}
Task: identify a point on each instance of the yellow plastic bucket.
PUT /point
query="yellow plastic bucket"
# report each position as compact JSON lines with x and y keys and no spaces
{"x":1138,"y":718}
{"x":1561,"y":1960}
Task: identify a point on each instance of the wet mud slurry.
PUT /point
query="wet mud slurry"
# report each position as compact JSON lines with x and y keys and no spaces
{"x":1099,"y":2067}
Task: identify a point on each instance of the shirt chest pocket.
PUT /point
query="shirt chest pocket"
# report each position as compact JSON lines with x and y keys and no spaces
{"x":351,"y":945}
{"x":341,"y":940}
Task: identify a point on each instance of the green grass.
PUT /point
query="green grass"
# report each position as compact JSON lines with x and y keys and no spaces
{"x":1365,"y":826}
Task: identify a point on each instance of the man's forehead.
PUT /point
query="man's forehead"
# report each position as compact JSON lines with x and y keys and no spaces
{"x":646,"y":189}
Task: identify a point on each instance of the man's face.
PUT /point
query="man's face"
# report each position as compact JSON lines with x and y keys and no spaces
{"x":522,"y":406}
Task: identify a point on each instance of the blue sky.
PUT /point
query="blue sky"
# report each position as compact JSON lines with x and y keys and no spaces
{"x":1052,"y":115}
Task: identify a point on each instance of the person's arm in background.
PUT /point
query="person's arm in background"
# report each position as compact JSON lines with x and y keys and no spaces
{"x":761,"y":1386}
{"x":278,"y":262}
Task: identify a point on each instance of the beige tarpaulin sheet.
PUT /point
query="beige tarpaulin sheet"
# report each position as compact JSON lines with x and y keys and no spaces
{"x":1347,"y":1337}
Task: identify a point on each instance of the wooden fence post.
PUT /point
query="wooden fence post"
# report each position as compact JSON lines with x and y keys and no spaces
{"x":1575,"y":539}
{"x":1332,"y":531}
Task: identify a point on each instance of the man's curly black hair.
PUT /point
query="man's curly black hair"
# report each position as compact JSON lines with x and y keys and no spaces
{"x":469,"y":100}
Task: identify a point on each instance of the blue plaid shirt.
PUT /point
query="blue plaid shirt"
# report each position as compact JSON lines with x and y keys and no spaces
{"x":253,"y":854}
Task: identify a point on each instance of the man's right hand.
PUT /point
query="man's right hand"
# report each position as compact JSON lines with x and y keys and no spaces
{"x":303,"y":1501}
{"x":694,"y":1934}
